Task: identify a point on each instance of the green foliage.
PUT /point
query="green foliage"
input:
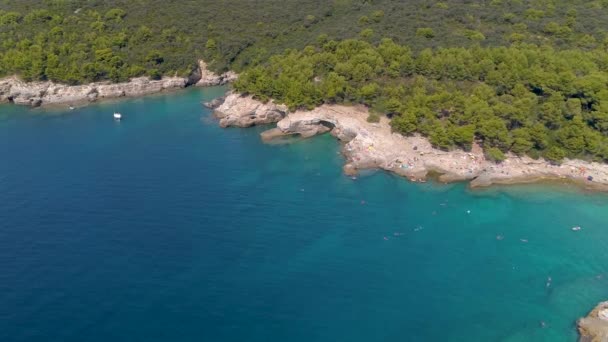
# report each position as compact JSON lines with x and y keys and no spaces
{"x":534,"y":14}
{"x":555,"y":154}
{"x":494,"y":154}
{"x":211,"y":44}
{"x":463,"y":136}
{"x":406,"y":123}
{"x":115,"y":14}
{"x":522,"y":99}
{"x":425,"y":32}
{"x":240,"y":34}
{"x":377,"y":16}
{"x":373,"y":117}
{"x":367,"y":34}
{"x":474,"y":35}
{"x":154,"y":74}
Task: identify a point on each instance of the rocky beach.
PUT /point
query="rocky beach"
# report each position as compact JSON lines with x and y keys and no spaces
{"x":375,"y":146}
{"x":16,"y":91}
{"x":594,"y":327}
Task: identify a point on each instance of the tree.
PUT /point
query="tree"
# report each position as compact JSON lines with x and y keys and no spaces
{"x":463,"y":136}
{"x":555,"y":154}
{"x":115,"y":14}
{"x":522,"y":141}
{"x":334,"y":87}
{"x":425,"y":32}
{"x":439,"y":137}
{"x":103,"y":55}
{"x":494,"y":133}
{"x":495,"y":155}
{"x":142,"y":35}
{"x":369,"y":92}
{"x":571,"y":136}
{"x":155,"y":57}
{"x":366,"y":33}
{"x":211,"y":44}
{"x":572,"y":108}
{"x":154,"y":74}
{"x":10,"y":19}
{"x":405,"y":123}
{"x":377,"y":16}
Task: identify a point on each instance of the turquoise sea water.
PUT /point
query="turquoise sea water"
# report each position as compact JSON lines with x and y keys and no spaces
{"x":165,"y":227}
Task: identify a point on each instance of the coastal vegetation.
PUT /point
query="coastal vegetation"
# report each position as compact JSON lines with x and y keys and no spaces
{"x":527,"y":77}
{"x":78,"y":41}
{"x":524,"y":99}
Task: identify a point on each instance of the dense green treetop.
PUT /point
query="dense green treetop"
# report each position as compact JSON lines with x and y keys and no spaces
{"x":77,"y":41}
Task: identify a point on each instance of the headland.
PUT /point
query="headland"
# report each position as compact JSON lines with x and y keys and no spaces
{"x":375,"y":146}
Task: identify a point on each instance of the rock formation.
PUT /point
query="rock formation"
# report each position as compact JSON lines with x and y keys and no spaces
{"x":38,"y":93}
{"x":209,"y":78}
{"x":244,"y":111}
{"x":594,"y":327}
{"x":213,"y":104}
{"x":374,"y":145}
{"x":14,"y":90}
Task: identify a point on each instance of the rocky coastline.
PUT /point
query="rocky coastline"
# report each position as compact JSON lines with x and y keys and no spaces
{"x":374,"y":146}
{"x":243,"y":111}
{"x":594,"y":327}
{"x":14,"y":90}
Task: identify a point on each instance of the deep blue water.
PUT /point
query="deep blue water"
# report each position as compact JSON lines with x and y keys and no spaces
{"x":165,"y":227}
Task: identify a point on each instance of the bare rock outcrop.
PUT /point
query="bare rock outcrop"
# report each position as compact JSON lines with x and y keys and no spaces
{"x":215,"y":103}
{"x":244,"y":111}
{"x":16,"y":91}
{"x":374,"y":145}
{"x":140,"y":86}
{"x":19,"y":92}
{"x":209,"y":78}
{"x":594,"y":327}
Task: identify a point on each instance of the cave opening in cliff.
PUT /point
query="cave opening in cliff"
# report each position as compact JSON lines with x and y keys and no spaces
{"x":327,"y":124}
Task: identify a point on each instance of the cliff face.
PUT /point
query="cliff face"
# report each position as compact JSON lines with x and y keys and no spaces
{"x":39,"y":93}
{"x":244,"y":111}
{"x":34,"y":94}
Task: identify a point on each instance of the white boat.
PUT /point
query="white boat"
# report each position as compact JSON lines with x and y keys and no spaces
{"x":117,"y":116}
{"x":576,"y":229}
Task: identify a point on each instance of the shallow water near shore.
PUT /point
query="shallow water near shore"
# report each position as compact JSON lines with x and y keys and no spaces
{"x":165,"y":227}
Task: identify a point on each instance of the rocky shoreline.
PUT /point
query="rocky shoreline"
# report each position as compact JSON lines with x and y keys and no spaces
{"x":594,"y":327}
{"x":14,"y":90}
{"x":374,"y":146}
